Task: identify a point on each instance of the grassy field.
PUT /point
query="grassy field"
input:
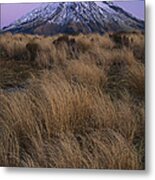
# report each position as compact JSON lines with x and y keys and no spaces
{"x":72,"y":101}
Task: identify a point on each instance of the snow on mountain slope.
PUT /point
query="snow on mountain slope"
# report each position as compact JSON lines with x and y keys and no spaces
{"x":75,"y":17}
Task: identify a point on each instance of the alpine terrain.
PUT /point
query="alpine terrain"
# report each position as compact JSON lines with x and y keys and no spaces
{"x":74,"y":18}
{"x":72,"y":87}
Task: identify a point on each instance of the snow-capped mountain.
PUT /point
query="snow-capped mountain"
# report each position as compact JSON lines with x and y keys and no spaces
{"x":75,"y":17}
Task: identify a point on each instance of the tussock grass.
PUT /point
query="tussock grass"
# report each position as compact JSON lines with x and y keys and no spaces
{"x":82,"y":105}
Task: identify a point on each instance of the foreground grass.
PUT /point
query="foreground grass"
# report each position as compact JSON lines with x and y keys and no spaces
{"x":81,"y":105}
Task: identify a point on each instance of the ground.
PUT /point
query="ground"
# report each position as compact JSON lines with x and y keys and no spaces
{"x":72,"y":101}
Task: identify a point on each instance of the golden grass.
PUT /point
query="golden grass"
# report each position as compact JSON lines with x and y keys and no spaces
{"x":82,"y":105}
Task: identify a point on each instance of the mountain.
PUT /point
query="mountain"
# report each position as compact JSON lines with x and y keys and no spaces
{"x":74,"y":18}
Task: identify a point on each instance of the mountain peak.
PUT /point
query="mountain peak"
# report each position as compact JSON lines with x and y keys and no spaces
{"x":75,"y":17}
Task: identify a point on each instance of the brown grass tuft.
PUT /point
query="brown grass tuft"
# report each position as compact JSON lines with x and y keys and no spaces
{"x":72,"y":101}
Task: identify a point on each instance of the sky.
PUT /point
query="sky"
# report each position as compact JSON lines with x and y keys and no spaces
{"x":11,"y":12}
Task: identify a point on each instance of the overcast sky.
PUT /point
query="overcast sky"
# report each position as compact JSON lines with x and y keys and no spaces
{"x":11,"y":12}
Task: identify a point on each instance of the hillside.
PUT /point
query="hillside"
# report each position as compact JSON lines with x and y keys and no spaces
{"x":75,"y":18}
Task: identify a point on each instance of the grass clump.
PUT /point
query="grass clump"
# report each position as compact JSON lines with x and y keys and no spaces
{"x":81,"y":104}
